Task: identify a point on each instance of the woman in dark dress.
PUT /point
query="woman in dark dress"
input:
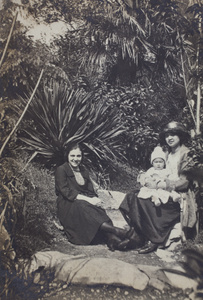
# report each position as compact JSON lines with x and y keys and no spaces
{"x":153,"y":223}
{"x":78,"y":206}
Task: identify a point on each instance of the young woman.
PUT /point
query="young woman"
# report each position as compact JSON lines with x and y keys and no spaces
{"x":153,"y":223}
{"x":78,"y":208}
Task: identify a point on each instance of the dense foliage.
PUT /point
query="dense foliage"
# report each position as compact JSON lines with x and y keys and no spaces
{"x":121,"y":71}
{"x":152,"y":44}
{"x":144,"y":56}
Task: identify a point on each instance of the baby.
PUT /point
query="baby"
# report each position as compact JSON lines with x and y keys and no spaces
{"x":155,"y":175}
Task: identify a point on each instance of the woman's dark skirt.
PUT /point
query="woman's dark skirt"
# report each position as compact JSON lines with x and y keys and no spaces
{"x":81,"y":220}
{"x":154,"y":223}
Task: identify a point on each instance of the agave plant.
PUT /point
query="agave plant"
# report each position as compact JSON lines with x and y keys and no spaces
{"x":59,"y":115}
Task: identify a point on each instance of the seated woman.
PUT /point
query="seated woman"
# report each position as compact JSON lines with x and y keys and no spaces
{"x":78,"y":208}
{"x":154,"y":223}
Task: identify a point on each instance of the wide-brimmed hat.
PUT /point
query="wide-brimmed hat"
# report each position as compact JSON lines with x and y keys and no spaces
{"x":174,"y":128}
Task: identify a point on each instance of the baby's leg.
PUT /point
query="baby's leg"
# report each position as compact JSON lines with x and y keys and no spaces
{"x":156,"y":200}
{"x":175,"y":196}
{"x":163,"y":195}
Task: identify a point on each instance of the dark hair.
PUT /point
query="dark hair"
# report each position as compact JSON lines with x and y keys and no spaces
{"x":179,"y":134}
{"x":71,"y":146}
{"x":174,"y":128}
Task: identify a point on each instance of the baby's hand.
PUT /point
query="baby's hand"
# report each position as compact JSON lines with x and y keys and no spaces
{"x":141,"y":178}
{"x":150,"y":183}
{"x":155,"y":177}
{"x":161,"y":185}
{"x":92,"y":200}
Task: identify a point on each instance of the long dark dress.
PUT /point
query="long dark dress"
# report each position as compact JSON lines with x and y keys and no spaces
{"x":154,"y":223}
{"x":80,"y":219}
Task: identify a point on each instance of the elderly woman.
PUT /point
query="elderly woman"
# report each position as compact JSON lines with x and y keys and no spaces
{"x":78,"y":208}
{"x":152,"y":223}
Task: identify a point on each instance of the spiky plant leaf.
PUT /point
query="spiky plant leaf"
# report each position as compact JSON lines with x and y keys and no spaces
{"x":59,"y":115}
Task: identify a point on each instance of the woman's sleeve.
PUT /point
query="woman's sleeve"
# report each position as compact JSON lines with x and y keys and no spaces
{"x":182,"y":184}
{"x":63,"y":185}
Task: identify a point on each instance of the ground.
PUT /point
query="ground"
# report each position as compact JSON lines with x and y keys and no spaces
{"x":109,"y":292}
{"x":62,"y":292}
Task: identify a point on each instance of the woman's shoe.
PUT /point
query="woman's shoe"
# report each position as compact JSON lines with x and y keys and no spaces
{"x":121,"y":233}
{"x":113,"y":242}
{"x":130,"y":242}
{"x":123,"y":245}
{"x":148,"y":249}
{"x":130,"y":232}
{"x":144,"y":246}
{"x":125,"y":234}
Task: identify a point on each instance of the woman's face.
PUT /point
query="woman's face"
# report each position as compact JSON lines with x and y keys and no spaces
{"x":75,"y":157}
{"x":172,"y":140}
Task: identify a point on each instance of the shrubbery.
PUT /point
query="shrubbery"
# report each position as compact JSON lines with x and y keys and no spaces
{"x":117,"y":80}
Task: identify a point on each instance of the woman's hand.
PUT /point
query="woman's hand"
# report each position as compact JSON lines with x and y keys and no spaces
{"x":94,"y":200}
{"x":91,"y":200}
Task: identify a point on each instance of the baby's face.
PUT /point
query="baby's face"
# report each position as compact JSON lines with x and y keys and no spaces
{"x":158,"y":164}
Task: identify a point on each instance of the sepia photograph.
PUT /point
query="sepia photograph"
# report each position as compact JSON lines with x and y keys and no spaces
{"x":101,"y":160}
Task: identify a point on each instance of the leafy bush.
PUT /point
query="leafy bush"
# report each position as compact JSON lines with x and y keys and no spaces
{"x":38,"y":204}
{"x":59,"y":115}
{"x":21,"y":235}
{"x":144,"y":110}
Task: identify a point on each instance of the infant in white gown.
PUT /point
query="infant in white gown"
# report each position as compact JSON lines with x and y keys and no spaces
{"x":155,"y":175}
